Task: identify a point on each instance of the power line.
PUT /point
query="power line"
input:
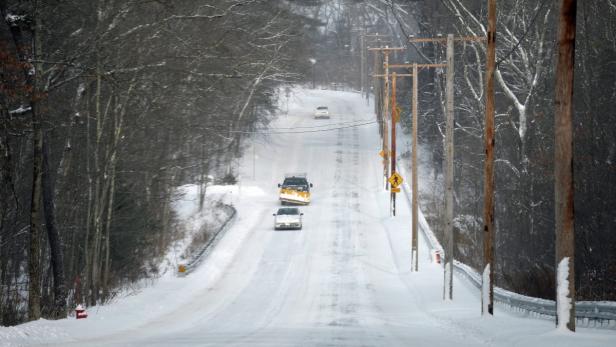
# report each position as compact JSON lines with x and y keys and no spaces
{"x":345,"y":125}
{"x":319,"y":126}
{"x":301,"y":132}
{"x":530,"y":26}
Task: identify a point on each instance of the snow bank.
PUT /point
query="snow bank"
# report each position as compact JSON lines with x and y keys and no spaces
{"x":194,"y":223}
{"x":563,"y":298}
{"x":424,"y":227}
{"x":485,"y":290}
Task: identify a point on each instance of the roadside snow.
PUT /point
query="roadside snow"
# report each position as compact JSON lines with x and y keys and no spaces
{"x":196,"y":225}
{"x":485,"y":289}
{"x":344,"y":280}
{"x":563,"y":300}
{"x":149,"y":298}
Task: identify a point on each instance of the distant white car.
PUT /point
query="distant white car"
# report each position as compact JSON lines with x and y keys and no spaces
{"x":288,"y":218}
{"x":321,"y":112}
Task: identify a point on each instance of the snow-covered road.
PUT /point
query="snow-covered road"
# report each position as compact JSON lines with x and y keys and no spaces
{"x":344,"y":280}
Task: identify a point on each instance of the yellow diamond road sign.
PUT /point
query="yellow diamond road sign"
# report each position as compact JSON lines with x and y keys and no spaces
{"x":395,"y":180}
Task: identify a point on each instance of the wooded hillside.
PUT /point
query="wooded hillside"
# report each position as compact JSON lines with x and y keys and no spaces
{"x":524,"y":163}
{"x":106,"y":106}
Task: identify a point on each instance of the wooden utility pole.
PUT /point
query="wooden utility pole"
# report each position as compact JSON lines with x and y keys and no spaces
{"x":449,"y":134}
{"x":563,"y":168}
{"x":394,"y":119}
{"x":385,"y":114}
{"x":449,"y":236}
{"x":414,"y":184}
{"x":362,"y":67}
{"x":392,"y":202}
{"x":487,"y":297}
{"x":386,"y":150}
{"x":376,"y":88}
{"x":415,"y":192}
{"x":378,"y":37}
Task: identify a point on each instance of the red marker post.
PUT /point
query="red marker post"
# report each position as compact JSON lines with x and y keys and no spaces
{"x":80,"y":312}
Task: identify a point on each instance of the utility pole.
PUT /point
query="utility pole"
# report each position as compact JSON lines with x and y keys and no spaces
{"x":392,"y":202}
{"x":362,"y":67}
{"x":563,"y":168}
{"x":449,"y":235}
{"x":378,"y":37}
{"x":487,"y":297}
{"x":414,"y":179}
{"x":448,"y":217}
{"x":376,"y":88}
{"x":394,"y":119}
{"x":386,"y":151}
{"x":385,"y":114}
{"x":415,"y":192}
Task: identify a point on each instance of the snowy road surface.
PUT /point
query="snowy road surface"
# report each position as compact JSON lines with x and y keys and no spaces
{"x":343,"y":280}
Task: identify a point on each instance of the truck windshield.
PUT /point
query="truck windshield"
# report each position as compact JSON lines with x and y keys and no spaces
{"x":294,"y":182}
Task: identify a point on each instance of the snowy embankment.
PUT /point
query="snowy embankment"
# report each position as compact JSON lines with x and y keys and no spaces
{"x":601,"y":314}
{"x":149,"y":298}
{"x":199,"y":225}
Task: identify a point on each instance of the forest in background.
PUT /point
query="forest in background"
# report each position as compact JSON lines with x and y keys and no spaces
{"x":524,"y":171}
{"x":108,"y":105}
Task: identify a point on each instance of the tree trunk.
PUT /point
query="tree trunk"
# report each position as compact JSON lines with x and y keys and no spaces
{"x":108,"y":233}
{"x":55,"y":241}
{"x":34,"y":255}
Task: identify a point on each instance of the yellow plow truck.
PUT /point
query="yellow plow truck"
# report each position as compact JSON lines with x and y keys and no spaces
{"x":295,"y":190}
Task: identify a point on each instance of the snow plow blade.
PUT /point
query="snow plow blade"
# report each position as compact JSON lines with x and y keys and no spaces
{"x":291,"y":196}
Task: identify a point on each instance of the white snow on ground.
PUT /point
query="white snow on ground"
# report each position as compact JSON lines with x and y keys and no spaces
{"x":344,"y":280}
{"x":485,"y":289}
{"x":563,"y":300}
{"x":422,"y":223}
{"x":194,"y":221}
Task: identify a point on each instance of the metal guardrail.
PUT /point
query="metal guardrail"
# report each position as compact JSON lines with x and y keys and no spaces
{"x":588,"y":313}
{"x":198,"y":256}
{"x":602,"y":314}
